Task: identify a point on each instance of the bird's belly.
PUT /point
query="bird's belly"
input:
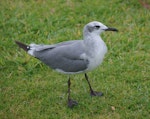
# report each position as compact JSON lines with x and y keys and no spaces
{"x":97,"y":59}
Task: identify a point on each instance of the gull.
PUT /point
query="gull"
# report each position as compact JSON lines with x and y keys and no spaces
{"x":74,"y":56}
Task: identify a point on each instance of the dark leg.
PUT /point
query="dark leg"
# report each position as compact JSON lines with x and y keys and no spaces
{"x":71,"y":103}
{"x":93,"y":93}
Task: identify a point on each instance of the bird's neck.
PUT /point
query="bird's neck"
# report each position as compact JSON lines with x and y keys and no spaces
{"x":93,"y":44}
{"x":92,"y":41}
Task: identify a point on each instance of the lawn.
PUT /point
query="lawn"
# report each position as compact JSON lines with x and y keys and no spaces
{"x":31,"y":90}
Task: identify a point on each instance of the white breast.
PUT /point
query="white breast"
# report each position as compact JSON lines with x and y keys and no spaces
{"x":97,"y":56}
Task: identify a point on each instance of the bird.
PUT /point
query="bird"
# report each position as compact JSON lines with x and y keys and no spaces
{"x":73,"y":56}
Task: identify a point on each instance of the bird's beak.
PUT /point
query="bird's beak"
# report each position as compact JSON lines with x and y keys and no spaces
{"x":111,"y":29}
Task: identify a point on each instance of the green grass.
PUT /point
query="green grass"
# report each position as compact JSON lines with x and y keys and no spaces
{"x":30,"y":90}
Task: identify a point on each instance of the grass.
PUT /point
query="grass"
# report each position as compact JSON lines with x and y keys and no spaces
{"x":29,"y":89}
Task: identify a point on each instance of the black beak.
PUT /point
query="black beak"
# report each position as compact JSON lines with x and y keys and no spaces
{"x":111,"y":29}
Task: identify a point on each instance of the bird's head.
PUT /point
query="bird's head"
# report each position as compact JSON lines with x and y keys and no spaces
{"x":96,"y":28}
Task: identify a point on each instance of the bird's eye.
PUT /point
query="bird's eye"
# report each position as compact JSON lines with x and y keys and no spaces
{"x":97,"y":27}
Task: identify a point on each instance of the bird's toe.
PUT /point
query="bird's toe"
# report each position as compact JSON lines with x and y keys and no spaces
{"x":72,"y":103}
{"x":94,"y":93}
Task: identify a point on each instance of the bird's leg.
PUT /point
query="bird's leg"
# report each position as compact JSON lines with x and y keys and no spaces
{"x":71,"y":103}
{"x":92,"y":92}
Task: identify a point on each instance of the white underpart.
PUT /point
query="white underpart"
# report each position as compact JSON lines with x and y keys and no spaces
{"x":62,"y":71}
{"x":96,"y":52}
{"x":97,"y":60}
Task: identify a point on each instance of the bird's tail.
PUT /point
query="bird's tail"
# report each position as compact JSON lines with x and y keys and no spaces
{"x":23,"y":46}
{"x":30,"y":49}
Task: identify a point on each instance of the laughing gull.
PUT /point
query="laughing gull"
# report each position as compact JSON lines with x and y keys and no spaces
{"x":75,"y":56}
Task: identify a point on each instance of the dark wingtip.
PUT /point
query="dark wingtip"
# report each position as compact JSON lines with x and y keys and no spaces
{"x":22,"y":45}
